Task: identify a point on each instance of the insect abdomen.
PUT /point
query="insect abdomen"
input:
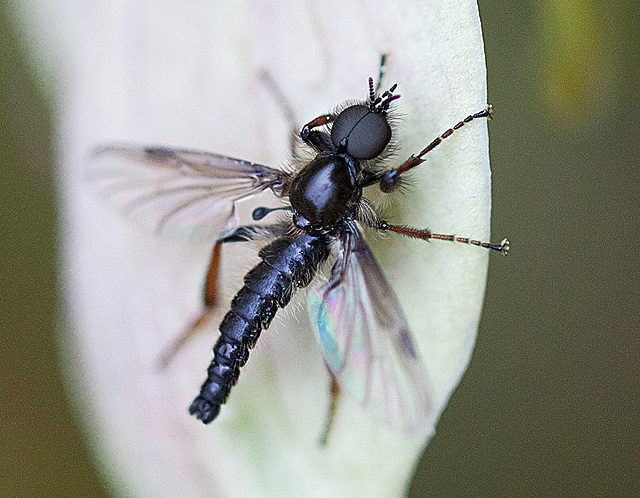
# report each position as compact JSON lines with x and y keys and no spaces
{"x":287,"y":264}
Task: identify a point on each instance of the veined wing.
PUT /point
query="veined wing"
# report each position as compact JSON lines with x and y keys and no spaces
{"x":178,"y":193}
{"x":366,"y":341}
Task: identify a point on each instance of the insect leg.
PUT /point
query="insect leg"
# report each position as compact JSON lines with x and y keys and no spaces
{"x":314,"y":138}
{"x":285,"y":107}
{"x":334,"y":393}
{"x":307,"y":133}
{"x":210,"y":291}
{"x":384,"y":59}
{"x":425,"y":234}
{"x":389,"y":179}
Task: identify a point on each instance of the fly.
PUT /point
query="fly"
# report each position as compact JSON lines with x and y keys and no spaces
{"x":356,"y":317}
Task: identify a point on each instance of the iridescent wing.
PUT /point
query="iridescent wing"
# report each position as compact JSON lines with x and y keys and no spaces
{"x":179,"y":193}
{"x":366,"y":341}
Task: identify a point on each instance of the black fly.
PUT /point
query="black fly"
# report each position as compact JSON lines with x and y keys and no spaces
{"x":359,"y":323}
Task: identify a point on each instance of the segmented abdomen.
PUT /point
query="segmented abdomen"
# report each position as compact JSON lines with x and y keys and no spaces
{"x":287,"y":264}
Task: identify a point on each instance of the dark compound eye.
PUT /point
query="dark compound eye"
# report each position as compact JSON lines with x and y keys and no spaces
{"x":364,"y":132}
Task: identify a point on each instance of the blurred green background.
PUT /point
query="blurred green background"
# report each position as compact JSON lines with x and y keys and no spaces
{"x":549,"y":405}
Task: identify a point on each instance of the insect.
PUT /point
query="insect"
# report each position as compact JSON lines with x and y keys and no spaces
{"x":356,"y":316}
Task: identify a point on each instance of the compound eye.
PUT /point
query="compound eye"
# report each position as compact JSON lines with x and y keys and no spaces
{"x":364,"y":133}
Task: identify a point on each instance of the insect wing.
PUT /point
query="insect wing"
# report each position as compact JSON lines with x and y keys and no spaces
{"x":178,"y":193}
{"x":366,"y":341}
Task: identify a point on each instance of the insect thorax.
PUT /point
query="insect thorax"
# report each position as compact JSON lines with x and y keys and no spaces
{"x":324,"y":191}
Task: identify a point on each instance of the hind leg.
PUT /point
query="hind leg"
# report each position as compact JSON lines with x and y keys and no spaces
{"x":334,"y":398}
{"x":210,"y":290}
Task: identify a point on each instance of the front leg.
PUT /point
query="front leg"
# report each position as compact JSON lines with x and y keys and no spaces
{"x":314,"y":138}
{"x":389,"y":180}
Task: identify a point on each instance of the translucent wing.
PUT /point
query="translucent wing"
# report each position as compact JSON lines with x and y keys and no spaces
{"x":179,"y":193}
{"x":366,"y":341}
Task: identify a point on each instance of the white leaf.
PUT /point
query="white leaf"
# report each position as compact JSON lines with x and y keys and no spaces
{"x":186,"y":74}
